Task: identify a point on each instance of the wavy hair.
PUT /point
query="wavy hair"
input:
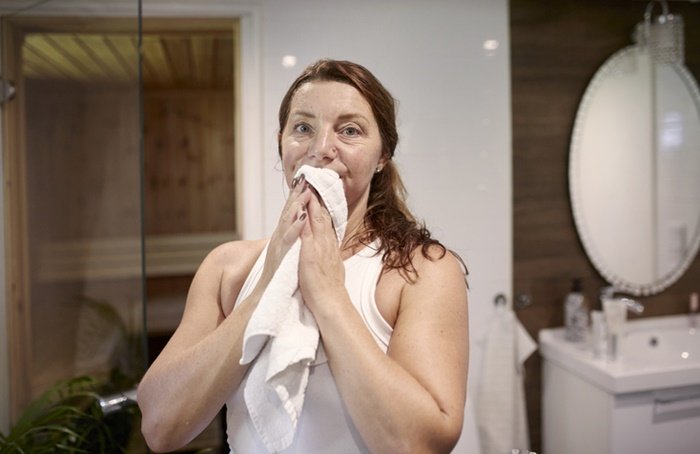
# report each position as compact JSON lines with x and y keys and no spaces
{"x":388,"y":217}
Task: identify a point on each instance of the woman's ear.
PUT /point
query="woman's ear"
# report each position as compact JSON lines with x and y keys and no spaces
{"x":382,"y":162}
{"x":279,"y":143}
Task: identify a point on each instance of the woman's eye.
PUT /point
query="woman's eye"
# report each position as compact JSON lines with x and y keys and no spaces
{"x":351,"y":131}
{"x":302,"y":128}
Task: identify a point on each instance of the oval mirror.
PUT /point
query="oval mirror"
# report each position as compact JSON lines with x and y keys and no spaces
{"x":634,"y":171}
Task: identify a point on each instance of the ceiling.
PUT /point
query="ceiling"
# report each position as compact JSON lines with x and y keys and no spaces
{"x":179,"y":60}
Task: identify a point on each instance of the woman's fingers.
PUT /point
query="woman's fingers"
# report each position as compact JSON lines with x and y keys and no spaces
{"x":321,"y":271}
{"x":293,"y":209}
{"x":319,"y":217}
{"x":318,"y":231}
{"x":289,"y":227}
{"x":294,"y":230}
{"x":296,"y":201}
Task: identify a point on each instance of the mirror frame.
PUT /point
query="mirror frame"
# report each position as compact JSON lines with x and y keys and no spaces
{"x":575,"y":151}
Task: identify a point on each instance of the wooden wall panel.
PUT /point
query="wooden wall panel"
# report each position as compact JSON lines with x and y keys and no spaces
{"x":83,"y":183}
{"x":83,"y":191}
{"x":17,"y":291}
{"x":556,"y":48}
{"x":83,"y":161}
{"x":189,"y":157}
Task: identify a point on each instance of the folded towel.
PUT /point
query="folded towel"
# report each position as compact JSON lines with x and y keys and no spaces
{"x":283,"y":335}
{"x":500,"y":406}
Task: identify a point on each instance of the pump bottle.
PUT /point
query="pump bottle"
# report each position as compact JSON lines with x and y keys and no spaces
{"x":575,"y":314}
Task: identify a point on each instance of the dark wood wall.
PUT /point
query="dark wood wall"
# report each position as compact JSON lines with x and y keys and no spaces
{"x":556,"y":48}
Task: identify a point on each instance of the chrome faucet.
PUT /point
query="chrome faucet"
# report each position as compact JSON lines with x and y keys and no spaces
{"x":117,"y":402}
{"x":615,"y":307}
{"x":633,"y":305}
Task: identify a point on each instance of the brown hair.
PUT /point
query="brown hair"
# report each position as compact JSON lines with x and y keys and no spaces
{"x":387,"y":216}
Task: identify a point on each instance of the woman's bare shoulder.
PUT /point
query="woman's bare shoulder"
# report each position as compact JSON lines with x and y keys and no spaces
{"x":438,"y":260}
{"x":232,"y":262}
{"x":434,"y":264}
{"x":439,"y":270}
{"x":236,"y":252}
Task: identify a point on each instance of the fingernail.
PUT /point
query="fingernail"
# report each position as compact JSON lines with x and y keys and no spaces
{"x":303,"y":216}
{"x":306,"y":186}
{"x":295,"y":181}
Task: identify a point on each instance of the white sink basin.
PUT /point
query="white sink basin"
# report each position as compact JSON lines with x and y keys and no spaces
{"x":655,"y":353}
{"x":661,"y":343}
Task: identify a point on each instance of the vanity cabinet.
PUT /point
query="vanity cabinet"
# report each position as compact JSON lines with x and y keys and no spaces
{"x":580,"y":417}
{"x":645,"y":402}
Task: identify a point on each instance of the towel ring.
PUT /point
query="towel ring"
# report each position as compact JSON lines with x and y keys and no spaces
{"x":500,"y":299}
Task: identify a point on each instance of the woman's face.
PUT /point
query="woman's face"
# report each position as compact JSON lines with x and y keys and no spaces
{"x":332,"y":126}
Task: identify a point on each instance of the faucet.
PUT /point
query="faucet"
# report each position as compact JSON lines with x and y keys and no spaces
{"x":633,"y":305}
{"x":615,"y":307}
{"x":117,"y":402}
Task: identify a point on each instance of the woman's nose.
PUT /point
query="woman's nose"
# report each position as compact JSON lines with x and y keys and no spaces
{"x":323,"y":146}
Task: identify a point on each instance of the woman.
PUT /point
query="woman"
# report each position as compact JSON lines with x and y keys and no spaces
{"x":395,"y":383}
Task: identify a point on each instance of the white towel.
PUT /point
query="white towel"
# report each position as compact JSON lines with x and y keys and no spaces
{"x":500,"y":406}
{"x":283,"y":335}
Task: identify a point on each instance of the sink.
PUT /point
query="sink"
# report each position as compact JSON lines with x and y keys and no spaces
{"x":667,"y":342}
{"x":646,"y":401}
{"x":655,"y":352}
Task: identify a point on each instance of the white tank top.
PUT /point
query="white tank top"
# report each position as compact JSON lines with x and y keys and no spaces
{"x":324,"y":425}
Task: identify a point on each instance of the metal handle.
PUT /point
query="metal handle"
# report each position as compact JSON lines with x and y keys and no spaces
{"x":500,"y":299}
{"x":671,"y":400}
{"x":118,"y":401}
{"x":7,"y":90}
{"x":523,"y":300}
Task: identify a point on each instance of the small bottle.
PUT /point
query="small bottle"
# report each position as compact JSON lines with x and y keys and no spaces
{"x":575,"y":314}
{"x":599,"y":335}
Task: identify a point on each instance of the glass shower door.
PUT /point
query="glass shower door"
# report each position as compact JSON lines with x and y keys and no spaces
{"x":72,"y":157}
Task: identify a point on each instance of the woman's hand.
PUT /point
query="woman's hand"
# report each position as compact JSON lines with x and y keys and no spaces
{"x":321,"y":270}
{"x":289,"y":227}
{"x":411,"y":397}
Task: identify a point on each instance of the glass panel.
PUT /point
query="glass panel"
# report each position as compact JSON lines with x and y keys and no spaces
{"x":189,"y":155}
{"x":77,"y":142}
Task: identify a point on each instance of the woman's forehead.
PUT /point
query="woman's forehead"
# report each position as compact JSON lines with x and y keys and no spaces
{"x":328,"y":94}
{"x":328,"y":91}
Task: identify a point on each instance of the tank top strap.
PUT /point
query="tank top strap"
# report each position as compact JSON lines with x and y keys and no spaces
{"x":253,"y":276}
{"x":362,"y":273}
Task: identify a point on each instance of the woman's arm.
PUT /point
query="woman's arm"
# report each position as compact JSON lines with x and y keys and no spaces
{"x":412,"y":398}
{"x":199,"y":368}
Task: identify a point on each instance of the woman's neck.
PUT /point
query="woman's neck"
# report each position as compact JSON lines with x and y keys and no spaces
{"x":353,"y":231}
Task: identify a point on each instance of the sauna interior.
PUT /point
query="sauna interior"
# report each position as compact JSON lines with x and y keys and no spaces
{"x":82,"y":201}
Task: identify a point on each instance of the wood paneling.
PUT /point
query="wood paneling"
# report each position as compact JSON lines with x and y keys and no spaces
{"x":189,"y":161}
{"x":556,"y":48}
{"x":169,"y":60}
{"x":16,"y":239}
{"x":83,"y":161}
{"x":177,"y":53}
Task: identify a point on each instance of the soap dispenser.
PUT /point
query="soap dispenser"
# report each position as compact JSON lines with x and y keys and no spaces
{"x":575,"y":314}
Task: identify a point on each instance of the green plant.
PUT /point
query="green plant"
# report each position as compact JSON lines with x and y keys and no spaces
{"x":66,"y":418}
